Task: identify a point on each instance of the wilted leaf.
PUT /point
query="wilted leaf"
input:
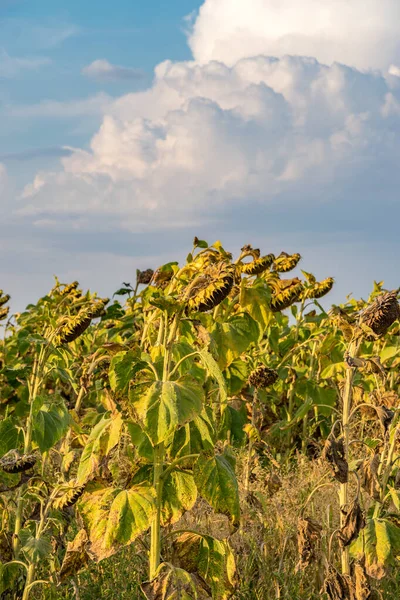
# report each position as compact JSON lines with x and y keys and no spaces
{"x":215,"y":372}
{"x":369,"y":476}
{"x":354,"y":521}
{"x":308,"y":541}
{"x":334,"y":454}
{"x":76,"y":556}
{"x":170,"y":583}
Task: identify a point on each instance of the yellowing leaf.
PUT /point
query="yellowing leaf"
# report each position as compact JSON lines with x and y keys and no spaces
{"x":170,"y":583}
{"x":379,"y":542}
{"x":212,"y":559}
{"x":103,"y":438}
{"x":114,"y":518}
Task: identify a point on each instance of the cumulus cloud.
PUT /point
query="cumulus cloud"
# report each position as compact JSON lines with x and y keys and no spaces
{"x":102,"y":70}
{"x":10,"y":66}
{"x":207,"y":138}
{"x":247,"y":146}
{"x":361,"y":33}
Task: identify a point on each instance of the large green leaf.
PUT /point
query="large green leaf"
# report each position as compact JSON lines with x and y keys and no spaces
{"x":104,"y":436}
{"x":170,"y":583}
{"x":9,"y":436}
{"x":215,"y":372}
{"x":167,"y":405}
{"x":233,"y":337}
{"x":212,"y":559}
{"x":35,"y":548}
{"x":216,"y":481}
{"x":232,"y":425}
{"x":179,"y":495}
{"x":255,"y":300}
{"x":236,"y":376}
{"x":49,"y":425}
{"x":379,"y":543}
{"x":123,"y":368}
{"x":194,"y":437}
{"x":114,"y":518}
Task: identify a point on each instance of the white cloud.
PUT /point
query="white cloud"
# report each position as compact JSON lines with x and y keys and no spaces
{"x":102,"y":70}
{"x":361,"y":33}
{"x":208,"y":138}
{"x":10,"y":66}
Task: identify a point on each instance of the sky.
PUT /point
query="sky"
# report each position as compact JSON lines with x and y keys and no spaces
{"x":127,"y":130}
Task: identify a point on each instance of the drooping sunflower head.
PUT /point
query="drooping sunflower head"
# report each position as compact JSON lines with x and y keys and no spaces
{"x":381,"y":314}
{"x":4,"y":312}
{"x":286,"y":293}
{"x":144,"y":277}
{"x":318,"y":289}
{"x":259,"y":265}
{"x":14,"y":462}
{"x":211,"y":287}
{"x":286,"y":262}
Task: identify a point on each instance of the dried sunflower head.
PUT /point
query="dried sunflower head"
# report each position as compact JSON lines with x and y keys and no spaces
{"x":69,"y":288}
{"x":144,"y":277}
{"x":263,"y":377}
{"x":381,"y":314}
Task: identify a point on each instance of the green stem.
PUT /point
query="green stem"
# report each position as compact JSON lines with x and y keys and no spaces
{"x":177,"y":462}
{"x":158,"y":461}
{"x":343,"y":492}
{"x":33,"y":391}
{"x":305,"y":420}
{"x":251,"y":443}
{"x":155,"y":538}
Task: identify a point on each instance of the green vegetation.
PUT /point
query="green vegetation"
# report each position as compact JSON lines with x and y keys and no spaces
{"x":188,"y":440}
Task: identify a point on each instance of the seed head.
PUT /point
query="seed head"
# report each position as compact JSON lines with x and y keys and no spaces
{"x":381,"y":314}
{"x":263,"y":377}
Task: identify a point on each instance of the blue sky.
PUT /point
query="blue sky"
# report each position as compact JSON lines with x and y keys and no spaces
{"x":128,"y":129}
{"x":69,"y":36}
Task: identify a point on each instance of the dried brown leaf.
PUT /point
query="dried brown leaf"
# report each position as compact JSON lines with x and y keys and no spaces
{"x":335,"y":456}
{"x":354,"y":521}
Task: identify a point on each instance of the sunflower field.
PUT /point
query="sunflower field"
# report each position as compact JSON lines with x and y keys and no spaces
{"x":213,"y":431}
